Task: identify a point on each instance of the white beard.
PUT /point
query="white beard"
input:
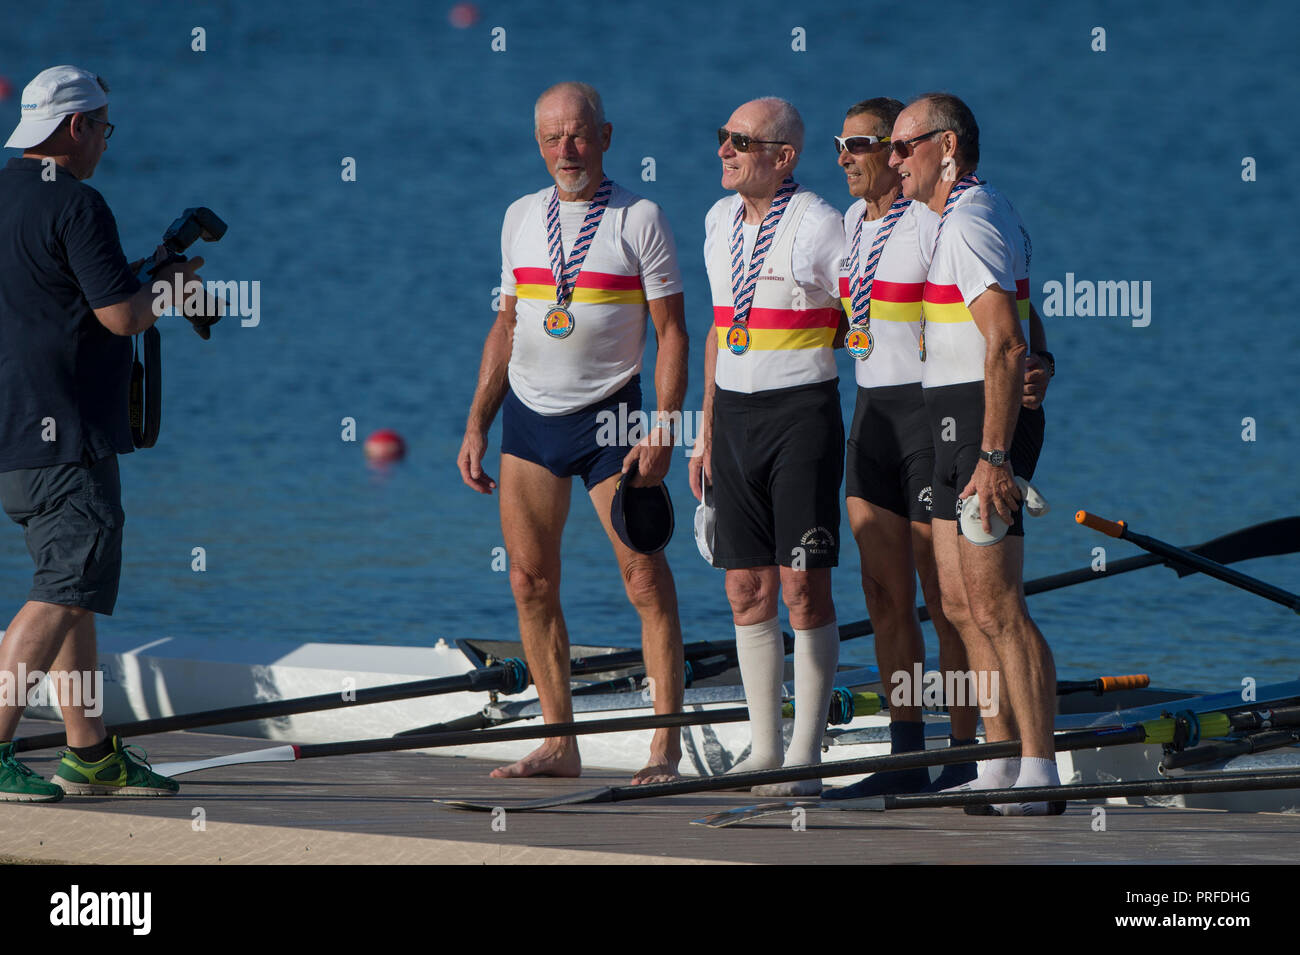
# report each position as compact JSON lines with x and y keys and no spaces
{"x":573,"y":183}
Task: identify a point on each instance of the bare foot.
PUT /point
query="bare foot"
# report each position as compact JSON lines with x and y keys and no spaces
{"x":548,"y":759}
{"x":657,"y":771}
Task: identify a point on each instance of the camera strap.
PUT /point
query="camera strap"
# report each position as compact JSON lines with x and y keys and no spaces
{"x":145,"y":396}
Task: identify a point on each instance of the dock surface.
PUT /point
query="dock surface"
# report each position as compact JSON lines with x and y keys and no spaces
{"x":379,"y":808}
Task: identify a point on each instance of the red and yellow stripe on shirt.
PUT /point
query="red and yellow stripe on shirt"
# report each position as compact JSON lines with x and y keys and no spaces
{"x":782,"y":329}
{"x":593,"y":288}
{"x":890,"y":301}
{"x":944,"y":303}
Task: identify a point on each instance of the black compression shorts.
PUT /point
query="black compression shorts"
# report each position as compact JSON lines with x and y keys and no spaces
{"x":778,"y":458}
{"x":957,"y":426}
{"x":890,"y":460}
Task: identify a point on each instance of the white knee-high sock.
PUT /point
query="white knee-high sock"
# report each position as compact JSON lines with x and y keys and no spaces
{"x":760,"y":650}
{"x":816,"y":654}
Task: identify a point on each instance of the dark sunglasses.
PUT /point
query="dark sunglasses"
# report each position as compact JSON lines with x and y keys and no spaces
{"x":858,"y":145}
{"x":903,"y":148}
{"x":742,"y":143}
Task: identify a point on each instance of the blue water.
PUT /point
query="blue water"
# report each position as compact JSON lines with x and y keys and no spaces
{"x":376,"y":294}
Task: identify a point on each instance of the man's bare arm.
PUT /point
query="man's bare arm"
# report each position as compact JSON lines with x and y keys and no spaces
{"x":488,"y":395}
{"x":654,"y":454}
{"x":1037,"y":374}
{"x":994,"y":311}
{"x":701,"y":469}
{"x":136,"y":314}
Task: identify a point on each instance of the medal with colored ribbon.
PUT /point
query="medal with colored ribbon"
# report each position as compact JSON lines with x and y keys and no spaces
{"x":744,"y":282}
{"x":558,"y":322}
{"x":859,"y":341}
{"x":962,"y":184}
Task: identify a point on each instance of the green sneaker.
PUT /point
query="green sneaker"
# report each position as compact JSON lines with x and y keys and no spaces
{"x":20,"y":784}
{"x":117,"y":774}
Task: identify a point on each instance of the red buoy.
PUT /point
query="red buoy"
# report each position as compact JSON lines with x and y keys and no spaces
{"x":5,"y":88}
{"x":384,"y":447}
{"x":463,"y":15}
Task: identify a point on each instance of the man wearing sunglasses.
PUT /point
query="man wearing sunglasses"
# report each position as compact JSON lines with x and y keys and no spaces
{"x":976,"y":334}
{"x":772,"y":441}
{"x":584,"y":262}
{"x":889,"y":465}
{"x":69,"y":302}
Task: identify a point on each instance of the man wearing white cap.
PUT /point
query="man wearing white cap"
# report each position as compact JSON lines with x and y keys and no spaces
{"x":68,"y":304}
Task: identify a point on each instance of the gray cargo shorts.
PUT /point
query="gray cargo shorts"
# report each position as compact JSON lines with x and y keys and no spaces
{"x":72,"y":516}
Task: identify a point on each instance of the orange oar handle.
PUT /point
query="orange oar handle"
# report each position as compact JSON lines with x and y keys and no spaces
{"x":1112,"y":528}
{"x":1110,"y":684}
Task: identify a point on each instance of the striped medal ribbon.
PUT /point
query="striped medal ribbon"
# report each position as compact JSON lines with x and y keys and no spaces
{"x":859,"y":341}
{"x":558,"y":322}
{"x":962,"y":184}
{"x":742,"y":296}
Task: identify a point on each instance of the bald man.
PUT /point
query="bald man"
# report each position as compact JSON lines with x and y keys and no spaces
{"x":772,"y":440}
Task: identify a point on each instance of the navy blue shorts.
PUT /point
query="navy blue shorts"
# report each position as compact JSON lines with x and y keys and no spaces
{"x":586,"y":443}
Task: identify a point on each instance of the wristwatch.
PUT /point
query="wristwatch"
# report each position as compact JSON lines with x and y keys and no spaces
{"x":995,"y":458}
{"x":1048,"y":360}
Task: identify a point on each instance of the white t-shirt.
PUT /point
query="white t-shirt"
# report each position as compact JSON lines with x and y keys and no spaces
{"x":632,"y":259}
{"x":795,"y":311}
{"x":983,"y":243}
{"x":895,"y":292}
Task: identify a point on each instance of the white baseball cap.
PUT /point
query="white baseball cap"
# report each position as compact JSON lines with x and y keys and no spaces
{"x":54,"y":94}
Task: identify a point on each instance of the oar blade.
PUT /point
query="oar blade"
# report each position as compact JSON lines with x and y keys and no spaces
{"x":275,"y":754}
{"x":583,"y":797}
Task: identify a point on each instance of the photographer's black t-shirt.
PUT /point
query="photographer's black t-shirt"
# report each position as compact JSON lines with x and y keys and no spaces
{"x":63,"y":376}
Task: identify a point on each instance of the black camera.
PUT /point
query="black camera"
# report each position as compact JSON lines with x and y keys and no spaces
{"x":145,"y":400}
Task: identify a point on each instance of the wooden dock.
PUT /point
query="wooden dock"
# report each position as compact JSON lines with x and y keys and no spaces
{"x":378,"y":809}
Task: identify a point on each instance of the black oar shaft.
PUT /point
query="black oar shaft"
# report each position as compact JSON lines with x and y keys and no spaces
{"x":1217,"y":752}
{"x":505,"y":735}
{"x":1187,"y":558}
{"x":480,"y":680}
{"x":1228,"y":782}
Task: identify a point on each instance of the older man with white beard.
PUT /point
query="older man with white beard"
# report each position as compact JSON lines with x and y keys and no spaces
{"x":583,"y":263}
{"x":772,"y":440}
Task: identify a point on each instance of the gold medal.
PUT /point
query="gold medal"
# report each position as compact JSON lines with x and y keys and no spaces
{"x":558,"y":322}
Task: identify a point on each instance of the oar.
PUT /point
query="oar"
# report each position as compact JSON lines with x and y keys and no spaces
{"x":1269,"y":539}
{"x":1217,"y":783}
{"x":1188,"y":559}
{"x":1162,"y":730}
{"x":473,"y":729}
{"x":845,"y":706}
{"x":511,"y":676}
{"x":1216,"y":752}
{"x":622,"y":684}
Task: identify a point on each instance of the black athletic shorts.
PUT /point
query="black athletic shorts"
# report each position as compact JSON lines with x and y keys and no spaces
{"x":72,"y":516}
{"x":778,"y":458}
{"x":957,"y":426}
{"x":890,"y":459}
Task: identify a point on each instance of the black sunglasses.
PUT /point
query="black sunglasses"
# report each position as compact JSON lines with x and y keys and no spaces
{"x":903,"y":148}
{"x":742,"y":143}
